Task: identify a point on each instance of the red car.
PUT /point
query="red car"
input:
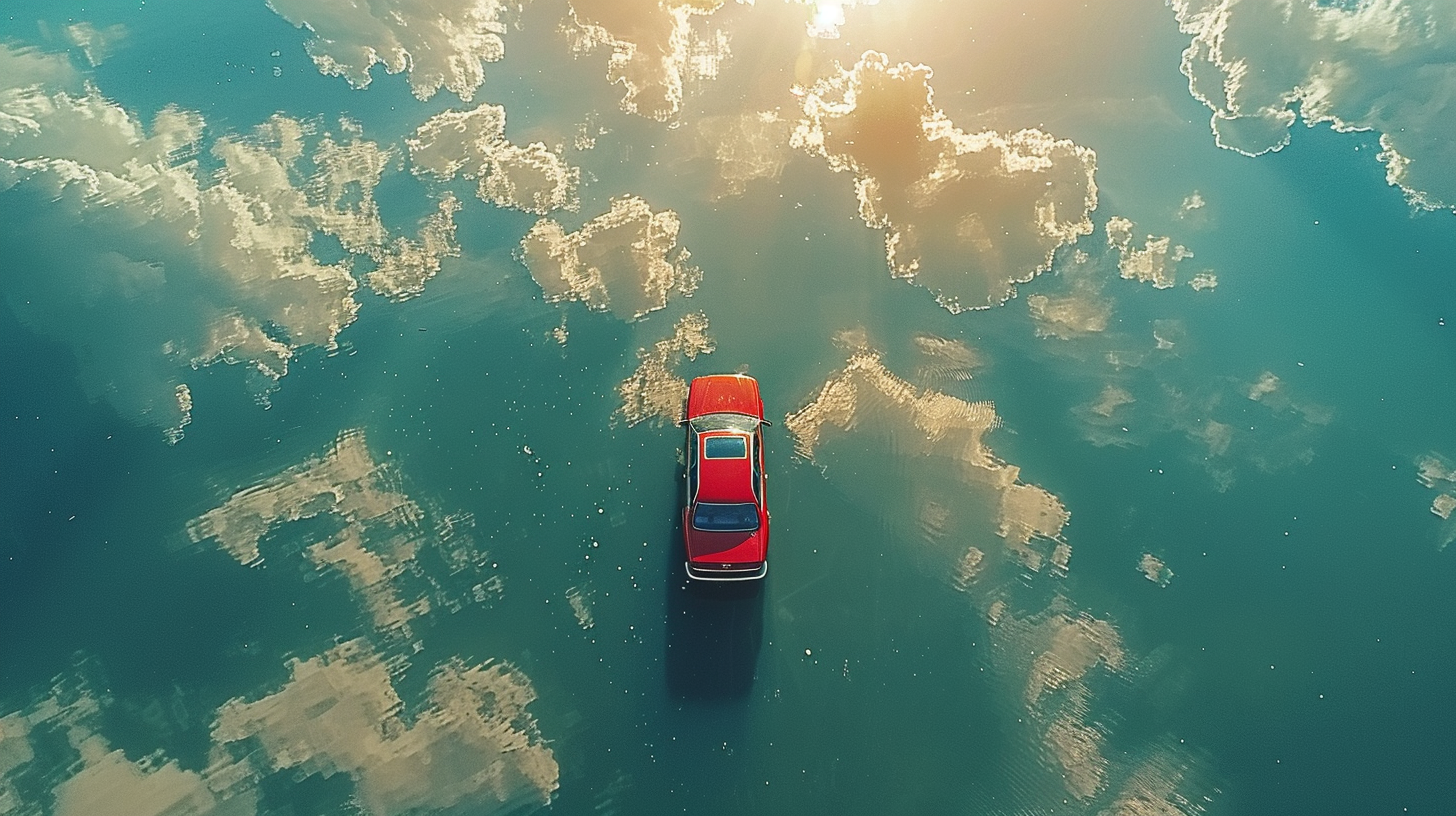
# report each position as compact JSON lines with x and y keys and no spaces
{"x":725,"y":523}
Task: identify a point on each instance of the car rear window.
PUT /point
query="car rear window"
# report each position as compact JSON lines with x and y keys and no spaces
{"x":725,"y":447}
{"x":725,"y":518}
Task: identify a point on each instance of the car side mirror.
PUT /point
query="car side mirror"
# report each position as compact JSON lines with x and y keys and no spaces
{"x":766,"y":422}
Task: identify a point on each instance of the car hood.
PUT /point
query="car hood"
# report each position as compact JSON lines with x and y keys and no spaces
{"x":725,"y":393}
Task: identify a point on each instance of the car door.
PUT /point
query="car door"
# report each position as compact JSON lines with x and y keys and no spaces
{"x":760,"y":477}
{"x":691,"y":474}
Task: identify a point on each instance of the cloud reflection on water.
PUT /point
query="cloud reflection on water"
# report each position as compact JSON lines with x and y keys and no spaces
{"x":966,"y":215}
{"x":1056,"y":657}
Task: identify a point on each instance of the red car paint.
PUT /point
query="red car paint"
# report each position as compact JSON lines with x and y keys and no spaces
{"x":725,"y":523}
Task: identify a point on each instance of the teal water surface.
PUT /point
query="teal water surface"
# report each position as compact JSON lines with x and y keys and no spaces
{"x":1299,"y":660}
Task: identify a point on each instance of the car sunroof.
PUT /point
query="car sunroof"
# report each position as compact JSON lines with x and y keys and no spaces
{"x":725,"y":447}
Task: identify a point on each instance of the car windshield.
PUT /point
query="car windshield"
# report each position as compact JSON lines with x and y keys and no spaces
{"x":725,"y":518}
{"x":725,"y":422}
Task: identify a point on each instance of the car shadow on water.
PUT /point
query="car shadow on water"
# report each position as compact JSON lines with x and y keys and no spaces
{"x":713,"y":631}
{"x":713,"y":635}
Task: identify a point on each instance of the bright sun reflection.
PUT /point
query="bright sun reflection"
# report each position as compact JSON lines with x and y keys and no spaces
{"x":828,"y":16}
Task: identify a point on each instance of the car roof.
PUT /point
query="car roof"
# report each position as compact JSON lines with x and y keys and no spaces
{"x":724,"y":393}
{"x":725,"y":480}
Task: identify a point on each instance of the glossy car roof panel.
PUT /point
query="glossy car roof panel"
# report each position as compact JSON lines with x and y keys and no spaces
{"x":724,"y":480}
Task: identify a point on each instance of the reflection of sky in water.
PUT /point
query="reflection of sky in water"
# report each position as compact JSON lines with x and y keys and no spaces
{"x":414,"y":293}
